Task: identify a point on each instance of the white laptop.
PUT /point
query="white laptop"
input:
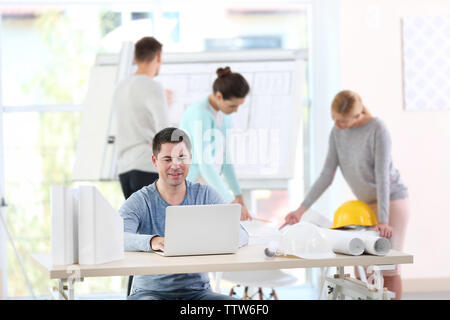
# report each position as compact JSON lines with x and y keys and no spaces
{"x":201,"y":229}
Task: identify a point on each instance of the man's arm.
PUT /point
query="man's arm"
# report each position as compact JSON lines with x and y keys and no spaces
{"x":153,"y":113}
{"x":130,"y":213}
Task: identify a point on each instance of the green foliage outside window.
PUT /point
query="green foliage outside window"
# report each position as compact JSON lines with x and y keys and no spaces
{"x":53,"y":139}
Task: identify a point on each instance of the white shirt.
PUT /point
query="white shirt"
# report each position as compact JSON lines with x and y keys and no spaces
{"x":140,"y":107}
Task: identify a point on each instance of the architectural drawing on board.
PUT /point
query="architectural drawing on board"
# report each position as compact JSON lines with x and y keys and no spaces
{"x":266,"y":131}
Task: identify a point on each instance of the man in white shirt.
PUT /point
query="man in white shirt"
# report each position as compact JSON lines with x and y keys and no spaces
{"x":141,"y":107}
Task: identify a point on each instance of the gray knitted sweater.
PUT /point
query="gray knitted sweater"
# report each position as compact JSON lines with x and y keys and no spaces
{"x":364,"y":156}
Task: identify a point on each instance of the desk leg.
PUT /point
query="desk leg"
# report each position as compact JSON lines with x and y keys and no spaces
{"x":71,"y":287}
{"x":334,"y":291}
{"x":339,"y":293}
{"x":323,"y":283}
{"x":378,"y":281}
{"x":60,"y":290}
{"x":65,"y":289}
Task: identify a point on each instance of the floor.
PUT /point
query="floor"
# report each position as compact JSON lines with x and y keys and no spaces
{"x":426,"y":296}
{"x":284,"y":293}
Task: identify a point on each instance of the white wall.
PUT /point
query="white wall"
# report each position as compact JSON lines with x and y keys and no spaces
{"x":371,"y":64}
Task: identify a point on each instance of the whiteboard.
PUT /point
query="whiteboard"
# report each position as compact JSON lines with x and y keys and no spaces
{"x":266,"y":128}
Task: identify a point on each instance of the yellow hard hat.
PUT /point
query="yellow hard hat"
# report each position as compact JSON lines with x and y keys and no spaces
{"x":354,"y":212}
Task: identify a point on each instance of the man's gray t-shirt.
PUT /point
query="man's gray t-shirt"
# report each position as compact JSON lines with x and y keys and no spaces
{"x":144,"y":214}
{"x":364,"y":156}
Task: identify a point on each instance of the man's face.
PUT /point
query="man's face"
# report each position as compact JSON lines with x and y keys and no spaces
{"x":173,"y":163}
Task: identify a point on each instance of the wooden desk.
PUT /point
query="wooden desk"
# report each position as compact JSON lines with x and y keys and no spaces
{"x":247,"y":258}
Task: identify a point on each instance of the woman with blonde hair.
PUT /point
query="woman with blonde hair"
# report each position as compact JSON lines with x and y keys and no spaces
{"x":360,"y":145}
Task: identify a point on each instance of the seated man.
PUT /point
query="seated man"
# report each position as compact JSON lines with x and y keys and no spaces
{"x":144,"y":215}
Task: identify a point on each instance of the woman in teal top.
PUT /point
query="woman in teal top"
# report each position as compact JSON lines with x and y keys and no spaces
{"x":207,"y":122}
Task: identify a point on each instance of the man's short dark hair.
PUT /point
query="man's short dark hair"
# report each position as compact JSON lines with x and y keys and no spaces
{"x":170,"y":135}
{"x":146,"y":49}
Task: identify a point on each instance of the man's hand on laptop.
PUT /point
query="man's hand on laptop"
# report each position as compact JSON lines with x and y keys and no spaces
{"x":157,"y":243}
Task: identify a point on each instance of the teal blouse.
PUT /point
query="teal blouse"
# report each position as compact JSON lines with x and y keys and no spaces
{"x":198,"y":121}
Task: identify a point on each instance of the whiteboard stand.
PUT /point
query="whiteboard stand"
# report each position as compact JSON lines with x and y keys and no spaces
{"x":96,"y":155}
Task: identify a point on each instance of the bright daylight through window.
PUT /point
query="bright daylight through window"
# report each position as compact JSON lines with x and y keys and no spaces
{"x":46,"y":55}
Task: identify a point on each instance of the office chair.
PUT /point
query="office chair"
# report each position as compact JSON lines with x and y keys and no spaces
{"x":258,"y":279}
{"x":130,"y":282}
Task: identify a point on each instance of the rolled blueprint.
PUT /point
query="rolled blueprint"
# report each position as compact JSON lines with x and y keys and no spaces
{"x":377,"y":245}
{"x":344,"y":242}
{"x":373,"y":243}
{"x":351,"y":245}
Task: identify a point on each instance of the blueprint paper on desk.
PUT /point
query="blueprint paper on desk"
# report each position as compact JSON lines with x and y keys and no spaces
{"x":316,"y":218}
{"x":261,"y":232}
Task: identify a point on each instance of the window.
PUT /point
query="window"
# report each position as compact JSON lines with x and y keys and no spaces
{"x":46,"y":55}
